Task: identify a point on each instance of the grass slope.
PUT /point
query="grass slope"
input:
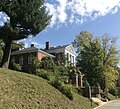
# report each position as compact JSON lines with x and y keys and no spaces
{"x":24,"y":91}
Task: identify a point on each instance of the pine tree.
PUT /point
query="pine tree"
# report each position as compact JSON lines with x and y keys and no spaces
{"x":27,"y":17}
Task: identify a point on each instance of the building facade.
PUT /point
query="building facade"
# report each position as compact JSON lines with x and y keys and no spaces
{"x":60,"y":51}
{"x":25,"y":56}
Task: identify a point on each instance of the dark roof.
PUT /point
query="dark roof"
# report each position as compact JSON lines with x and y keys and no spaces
{"x":57,"y":47}
{"x":29,"y":50}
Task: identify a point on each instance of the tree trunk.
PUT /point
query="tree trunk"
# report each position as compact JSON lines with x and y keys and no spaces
{"x":6,"y":55}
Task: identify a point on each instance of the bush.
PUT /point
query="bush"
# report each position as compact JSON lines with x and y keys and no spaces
{"x":118,"y":92}
{"x":47,"y":63}
{"x":113,"y":91}
{"x":62,"y":73}
{"x":65,"y":90}
{"x":45,"y":74}
{"x":17,"y":67}
{"x":42,"y":73}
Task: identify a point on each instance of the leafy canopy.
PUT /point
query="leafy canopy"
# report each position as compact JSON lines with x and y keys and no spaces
{"x":98,"y":58}
{"x":27,"y":17}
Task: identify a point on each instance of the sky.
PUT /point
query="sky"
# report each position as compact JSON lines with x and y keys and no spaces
{"x":70,"y":17}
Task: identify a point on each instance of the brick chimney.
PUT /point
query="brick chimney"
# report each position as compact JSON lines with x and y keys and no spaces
{"x":32,"y":45}
{"x":47,"y":45}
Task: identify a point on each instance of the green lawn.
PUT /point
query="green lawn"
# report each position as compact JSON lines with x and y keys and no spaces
{"x":24,"y":91}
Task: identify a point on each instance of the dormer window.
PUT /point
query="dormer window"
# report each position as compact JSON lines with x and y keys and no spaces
{"x":21,"y":60}
{"x":30,"y":59}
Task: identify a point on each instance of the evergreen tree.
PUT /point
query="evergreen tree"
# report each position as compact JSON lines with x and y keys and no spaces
{"x":1,"y":50}
{"x":27,"y":17}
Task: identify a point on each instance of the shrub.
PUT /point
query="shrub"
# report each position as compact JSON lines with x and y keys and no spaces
{"x":113,"y":91}
{"x":65,"y":90}
{"x":45,"y":74}
{"x":36,"y":63}
{"x":42,"y":73}
{"x":62,"y":73}
{"x":17,"y":67}
{"x":118,"y":92}
{"x":47,"y":63}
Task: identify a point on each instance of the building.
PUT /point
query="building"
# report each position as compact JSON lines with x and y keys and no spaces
{"x":25,"y":57}
{"x":60,"y":51}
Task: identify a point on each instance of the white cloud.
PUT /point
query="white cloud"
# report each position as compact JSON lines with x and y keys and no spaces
{"x":3,"y":18}
{"x":30,"y":40}
{"x":79,"y":11}
{"x":58,"y":12}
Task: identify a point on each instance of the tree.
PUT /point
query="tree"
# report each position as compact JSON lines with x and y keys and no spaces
{"x":110,"y":62}
{"x":98,"y":58}
{"x":1,"y":50}
{"x":27,"y":17}
{"x":1,"y":53}
{"x":17,"y":45}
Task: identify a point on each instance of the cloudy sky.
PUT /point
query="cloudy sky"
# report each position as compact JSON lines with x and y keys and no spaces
{"x":70,"y":17}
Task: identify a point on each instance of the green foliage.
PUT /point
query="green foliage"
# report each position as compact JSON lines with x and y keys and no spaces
{"x":17,"y":45}
{"x":62,"y":73}
{"x":98,"y":58}
{"x":1,"y":49}
{"x":47,"y":63}
{"x":62,"y":60}
{"x":36,"y":63}
{"x":1,"y":52}
{"x":86,"y":83}
{"x":65,"y":90}
{"x":27,"y":17}
{"x":118,"y":92}
{"x":17,"y":67}
{"x":113,"y":91}
{"x":45,"y":74}
{"x":111,"y":97}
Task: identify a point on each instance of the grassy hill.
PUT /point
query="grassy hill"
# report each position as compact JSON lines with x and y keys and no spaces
{"x":24,"y":91}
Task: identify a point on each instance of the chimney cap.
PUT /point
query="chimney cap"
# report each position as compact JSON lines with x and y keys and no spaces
{"x":47,"y":45}
{"x":32,"y":45}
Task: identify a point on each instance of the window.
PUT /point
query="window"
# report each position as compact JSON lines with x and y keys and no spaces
{"x":67,"y":57}
{"x":30,"y":59}
{"x":13,"y":60}
{"x":21,"y":60}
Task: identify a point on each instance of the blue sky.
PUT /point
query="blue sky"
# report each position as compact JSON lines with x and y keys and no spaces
{"x":109,"y":24}
{"x":70,"y":17}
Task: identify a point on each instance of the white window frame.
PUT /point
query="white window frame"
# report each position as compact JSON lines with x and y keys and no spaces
{"x":21,"y":60}
{"x":30,"y":59}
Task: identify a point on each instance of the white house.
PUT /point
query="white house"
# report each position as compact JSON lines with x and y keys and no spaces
{"x":57,"y":51}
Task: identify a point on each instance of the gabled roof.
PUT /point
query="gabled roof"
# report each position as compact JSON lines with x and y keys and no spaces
{"x":58,"y":47}
{"x":26,"y":50}
{"x":46,"y":53}
{"x":68,"y":47}
{"x":29,"y":50}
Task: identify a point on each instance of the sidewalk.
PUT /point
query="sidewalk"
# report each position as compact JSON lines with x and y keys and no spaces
{"x":98,"y":101}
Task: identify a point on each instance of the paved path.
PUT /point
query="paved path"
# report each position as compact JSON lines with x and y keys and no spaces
{"x":111,"y":105}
